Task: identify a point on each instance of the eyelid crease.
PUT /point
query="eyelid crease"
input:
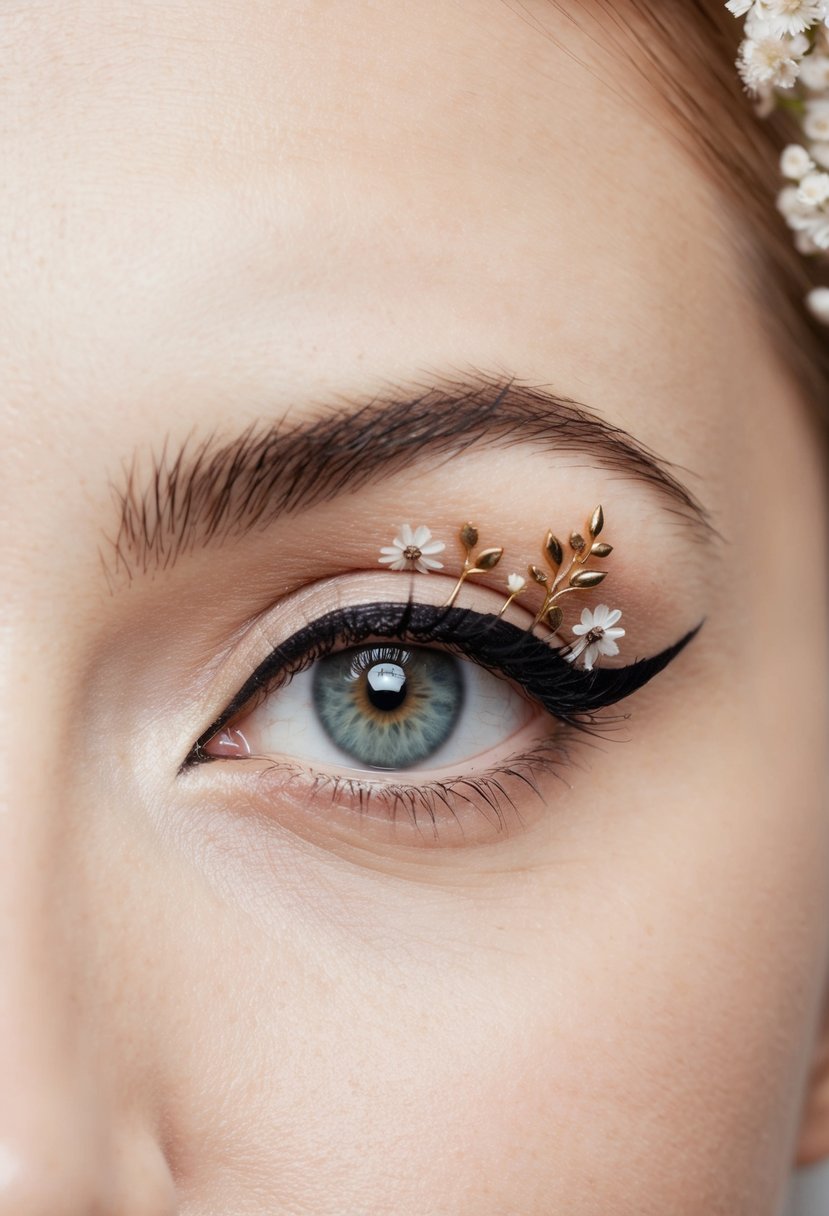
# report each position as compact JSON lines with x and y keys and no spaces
{"x":567,"y":693}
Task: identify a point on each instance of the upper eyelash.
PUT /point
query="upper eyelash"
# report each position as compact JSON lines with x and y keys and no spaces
{"x":567,"y":693}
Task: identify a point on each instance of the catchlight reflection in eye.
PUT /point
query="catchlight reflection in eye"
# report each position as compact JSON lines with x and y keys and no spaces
{"x":385,"y":707}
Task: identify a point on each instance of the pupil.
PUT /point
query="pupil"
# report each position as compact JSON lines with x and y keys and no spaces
{"x":386,"y":686}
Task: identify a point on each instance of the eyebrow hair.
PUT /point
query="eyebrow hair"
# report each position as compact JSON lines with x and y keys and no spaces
{"x":215,"y":489}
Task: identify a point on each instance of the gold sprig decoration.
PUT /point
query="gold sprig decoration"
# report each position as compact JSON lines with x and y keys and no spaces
{"x":486,"y":560}
{"x":567,"y":571}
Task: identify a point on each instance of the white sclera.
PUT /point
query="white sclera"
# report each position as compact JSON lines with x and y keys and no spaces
{"x":286,"y":722}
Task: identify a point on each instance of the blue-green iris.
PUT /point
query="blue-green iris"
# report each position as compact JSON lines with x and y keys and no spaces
{"x":388,"y":706}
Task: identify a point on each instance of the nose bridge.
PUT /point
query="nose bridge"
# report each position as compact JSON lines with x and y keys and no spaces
{"x":47,"y":1101}
{"x":61,"y":1147}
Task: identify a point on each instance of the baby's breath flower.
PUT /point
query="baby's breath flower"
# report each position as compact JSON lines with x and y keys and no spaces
{"x":814,"y":72}
{"x":798,"y":215}
{"x":516,"y":583}
{"x":814,"y":189}
{"x":804,"y":244}
{"x":769,"y":61}
{"x":788,"y":202}
{"x":820,"y":154}
{"x":818,"y":301}
{"x":786,"y":44}
{"x":819,"y":232}
{"x":795,"y":162}
{"x":784,"y":18}
{"x":816,"y":120}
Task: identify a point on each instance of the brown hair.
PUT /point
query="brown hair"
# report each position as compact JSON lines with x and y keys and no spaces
{"x":686,"y":49}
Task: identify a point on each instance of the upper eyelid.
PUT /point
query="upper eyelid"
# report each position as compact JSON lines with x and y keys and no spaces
{"x":577,"y":692}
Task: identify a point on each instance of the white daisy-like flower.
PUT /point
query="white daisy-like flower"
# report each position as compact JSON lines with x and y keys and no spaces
{"x":597,"y":633}
{"x":818,"y":302}
{"x":516,"y":583}
{"x":412,"y":549}
{"x":816,"y":120}
{"x":795,"y":162}
{"x":813,"y":190}
{"x":738,"y":7}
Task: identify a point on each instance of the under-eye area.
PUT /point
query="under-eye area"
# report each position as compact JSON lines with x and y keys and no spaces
{"x":408,"y":707}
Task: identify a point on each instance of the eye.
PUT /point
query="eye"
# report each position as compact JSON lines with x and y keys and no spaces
{"x":392,"y":708}
{"x":402,"y":717}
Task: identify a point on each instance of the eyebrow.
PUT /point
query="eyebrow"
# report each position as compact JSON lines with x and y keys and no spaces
{"x":214,"y":489}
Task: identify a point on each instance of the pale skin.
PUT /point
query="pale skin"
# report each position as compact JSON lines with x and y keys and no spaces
{"x":219,"y":1001}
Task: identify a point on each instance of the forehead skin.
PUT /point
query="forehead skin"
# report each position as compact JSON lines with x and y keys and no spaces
{"x":218,"y":212}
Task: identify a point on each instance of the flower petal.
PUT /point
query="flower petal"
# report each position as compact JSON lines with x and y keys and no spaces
{"x":613,"y":617}
{"x":421,"y":536}
{"x":587,"y":618}
{"x":600,"y":615}
{"x":392,"y":550}
{"x":581,"y":629}
{"x":589,"y":655}
{"x":406,"y":536}
{"x":434,"y":546}
{"x":425,"y":564}
{"x":607,"y":646}
{"x":576,"y":650}
{"x":614,"y":633}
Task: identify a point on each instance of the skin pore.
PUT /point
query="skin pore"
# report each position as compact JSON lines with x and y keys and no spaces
{"x":220,"y":218}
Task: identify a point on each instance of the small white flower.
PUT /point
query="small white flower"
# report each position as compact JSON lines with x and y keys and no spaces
{"x":788,"y":17}
{"x":818,"y":302}
{"x":412,"y":549}
{"x":769,"y":61}
{"x":816,"y":121}
{"x":516,"y":583}
{"x":820,"y":154}
{"x":756,"y":26}
{"x":788,"y":202}
{"x":814,"y":189}
{"x":814,"y":72}
{"x":795,"y":162}
{"x":597,"y":634}
{"x":738,"y":7}
{"x":819,"y":232}
{"x":804,"y":244}
{"x":800,"y":216}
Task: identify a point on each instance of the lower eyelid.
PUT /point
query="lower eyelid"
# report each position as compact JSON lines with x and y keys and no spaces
{"x":485,"y":805}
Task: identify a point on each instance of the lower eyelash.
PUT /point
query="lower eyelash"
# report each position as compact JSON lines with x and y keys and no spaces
{"x":433,"y":808}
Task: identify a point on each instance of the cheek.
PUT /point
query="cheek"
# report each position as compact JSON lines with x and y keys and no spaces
{"x":620,"y":1031}
{"x":614,"y":1018}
